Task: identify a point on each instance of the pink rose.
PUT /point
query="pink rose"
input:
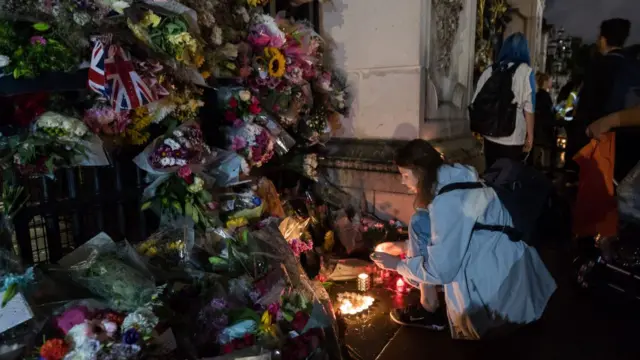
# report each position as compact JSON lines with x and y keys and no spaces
{"x":38,"y":40}
{"x":184,"y":172}
{"x":72,"y":317}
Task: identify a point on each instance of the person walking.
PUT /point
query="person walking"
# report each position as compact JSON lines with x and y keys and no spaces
{"x":544,"y":129}
{"x":502,"y":110}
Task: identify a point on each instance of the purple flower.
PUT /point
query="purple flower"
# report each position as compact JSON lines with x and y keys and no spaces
{"x":218,"y":303}
{"x":238,"y":143}
{"x":38,"y":40}
{"x":220,"y":322}
{"x":131,"y":336}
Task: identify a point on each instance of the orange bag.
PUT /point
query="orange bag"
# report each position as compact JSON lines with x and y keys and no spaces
{"x":596,"y":210}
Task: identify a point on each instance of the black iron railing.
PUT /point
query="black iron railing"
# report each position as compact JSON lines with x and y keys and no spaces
{"x":64,"y":213}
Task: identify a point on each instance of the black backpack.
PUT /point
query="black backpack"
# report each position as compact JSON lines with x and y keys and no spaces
{"x":523,"y":191}
{"x":493,"y":111}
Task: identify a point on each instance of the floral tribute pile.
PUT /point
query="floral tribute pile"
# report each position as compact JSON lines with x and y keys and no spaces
{"x":206,"y":92}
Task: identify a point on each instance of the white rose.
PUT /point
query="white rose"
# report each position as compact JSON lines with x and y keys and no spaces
{"x":66,"y":125}
{"x":81,"y":130}
{"x":245,"y":95}
{"x":4,"y":61}
{"x":172,"y":144}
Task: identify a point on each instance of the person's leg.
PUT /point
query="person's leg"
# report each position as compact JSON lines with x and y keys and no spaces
{"x":428,"y":314}
{"x":429,"y":297}
{"x":491,"y":153}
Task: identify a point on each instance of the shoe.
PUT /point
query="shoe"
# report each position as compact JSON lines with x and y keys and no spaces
{"x":417,"y":316}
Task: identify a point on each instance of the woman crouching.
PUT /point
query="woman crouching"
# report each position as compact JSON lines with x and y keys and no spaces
{"x":491,"y":284}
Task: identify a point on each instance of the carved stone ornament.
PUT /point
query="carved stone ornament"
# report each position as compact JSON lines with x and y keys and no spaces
{"x":447,"y":14}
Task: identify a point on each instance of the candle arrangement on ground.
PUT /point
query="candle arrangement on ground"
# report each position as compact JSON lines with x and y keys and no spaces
{"x":352,"y":303}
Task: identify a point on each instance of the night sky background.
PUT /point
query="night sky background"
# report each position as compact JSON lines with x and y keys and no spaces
{"x":582,"y":17}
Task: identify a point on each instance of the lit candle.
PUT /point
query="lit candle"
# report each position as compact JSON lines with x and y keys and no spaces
{"x":400,"y":285}
{"x":364,"y":282}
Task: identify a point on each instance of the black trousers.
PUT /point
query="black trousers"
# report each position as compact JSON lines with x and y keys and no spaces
{"x":494,"y":151}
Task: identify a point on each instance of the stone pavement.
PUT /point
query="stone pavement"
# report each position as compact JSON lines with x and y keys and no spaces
{"x":575,"y":326}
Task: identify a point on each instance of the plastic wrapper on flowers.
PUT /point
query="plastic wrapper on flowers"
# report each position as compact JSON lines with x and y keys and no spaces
{"x":252,"y":141}
{"x":172,"y":255}
{"x":283,"y":141}
{"x":319,"y":311}
{"x":265,"y":302}
{"x":175,"y":164}
{"x":629,"y":196}
{"x":58,"y":141}
{"x":28,"y":297}
{"x":90,"y":329}
{"x":113,"y":272}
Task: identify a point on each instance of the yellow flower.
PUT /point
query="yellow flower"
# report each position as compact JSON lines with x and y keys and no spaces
{"x":236,"y":223}
{"x":150,"y":19}
{"x":152,"y":251}
{"x":329,"y":241}
{"x":176,"y":245}
{"x":205,"y":74}
{"x":266,"y":327}
{"x":199,"y":60}
{"x":277,"y":62}
{"x":253,"y":3}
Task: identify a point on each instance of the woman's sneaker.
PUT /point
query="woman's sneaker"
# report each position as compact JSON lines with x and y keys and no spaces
{"x":417,"y":316}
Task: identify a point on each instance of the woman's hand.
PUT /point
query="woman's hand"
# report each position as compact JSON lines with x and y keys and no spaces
{"x":528,"y":143}
{"x":392,"y":248}
{"x":601,"y":126}
{"x":385,"y":261}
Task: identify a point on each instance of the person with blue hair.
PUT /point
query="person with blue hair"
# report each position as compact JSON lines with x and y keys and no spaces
{"x":514,"y":52}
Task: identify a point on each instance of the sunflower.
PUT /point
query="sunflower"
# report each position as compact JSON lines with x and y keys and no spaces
{"x":277,"y":62}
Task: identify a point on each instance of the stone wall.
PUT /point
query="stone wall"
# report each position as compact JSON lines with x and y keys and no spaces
{"x":392,"y":51}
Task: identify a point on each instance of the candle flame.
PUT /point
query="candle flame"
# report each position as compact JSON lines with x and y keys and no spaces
{"x":351,"y":304}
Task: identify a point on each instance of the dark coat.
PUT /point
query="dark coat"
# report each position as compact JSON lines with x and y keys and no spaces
{"x":544,"y":130}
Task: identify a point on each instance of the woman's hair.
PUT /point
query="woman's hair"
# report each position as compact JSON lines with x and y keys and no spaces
{"x":541,"y":79}
{"x":515,"y":49}
{"x":424,"y":161}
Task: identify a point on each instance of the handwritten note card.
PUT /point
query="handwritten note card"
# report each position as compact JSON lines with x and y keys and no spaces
{"x":14,"y":313}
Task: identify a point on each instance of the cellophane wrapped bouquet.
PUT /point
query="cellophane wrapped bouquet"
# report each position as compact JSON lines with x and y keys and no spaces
{"x":263,"y":302}
{"x":113,"y":272}
{"x":58,"y":141}
{"x":175,"y":164}
{"x":89,"y":329}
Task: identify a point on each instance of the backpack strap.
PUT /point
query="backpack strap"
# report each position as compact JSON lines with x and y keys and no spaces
{"x":460,"y":186}
{"x":513,"y":234}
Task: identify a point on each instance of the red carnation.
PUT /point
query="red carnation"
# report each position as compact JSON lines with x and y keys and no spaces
{"x":233,"y":103}
{"x":299,"y":321}
{"x":255,"y":108}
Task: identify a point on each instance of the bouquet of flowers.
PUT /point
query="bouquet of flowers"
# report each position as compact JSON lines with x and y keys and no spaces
{"x":305,"y":164}
{"x":169,"y":34}
{"x":176,"y":162}
{"x":240,"y":105}
{"x":30,"y":57}
{"x":103,"y":119}
{"x":184,"y":146}
{"x":113,"y":272}
{"x":100,"y":333}
{"x":183,"y":194}
{"x":58,"y":141}
{"x":253,"y":142}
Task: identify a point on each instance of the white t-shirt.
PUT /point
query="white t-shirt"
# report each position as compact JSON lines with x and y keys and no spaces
{"x":523,"y":95}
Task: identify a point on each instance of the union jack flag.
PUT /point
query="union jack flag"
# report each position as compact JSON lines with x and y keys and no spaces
{"x":125,"y":87}
{"x":97,"y":80}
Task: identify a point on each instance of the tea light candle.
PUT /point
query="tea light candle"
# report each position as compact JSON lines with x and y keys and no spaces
{"x":364,"y":282}
{"x":400,"y":285}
